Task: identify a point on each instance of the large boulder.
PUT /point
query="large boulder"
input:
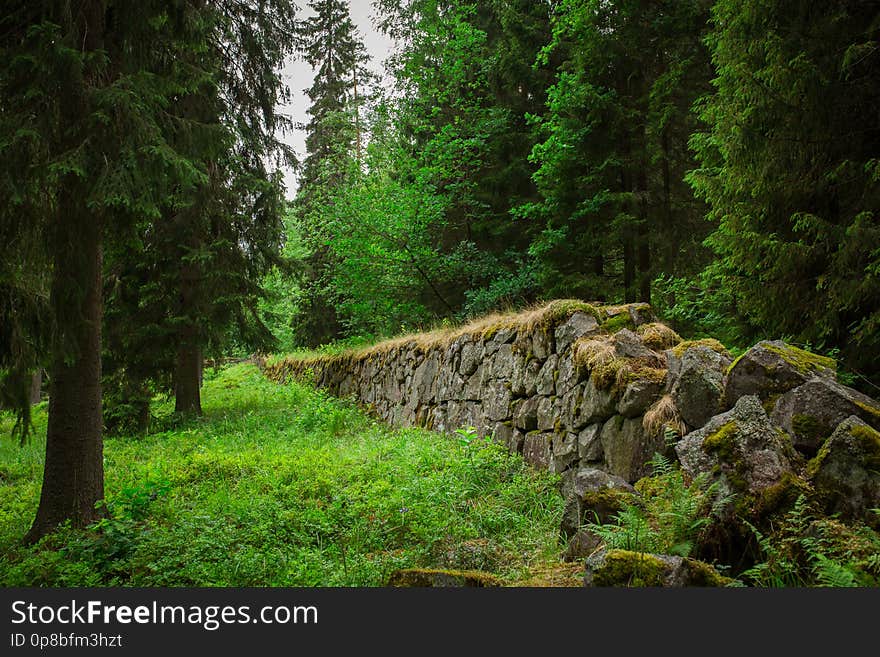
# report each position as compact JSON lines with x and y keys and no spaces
{"x":846,"y":471}
{"x":639,"y":569}
{"x":592,"y":495}
{"x":740,"y":447}
{"x":698,"y":388}
{"x":628,"y":448}
{"x":772,"y":368}
{"x":811,"y":412}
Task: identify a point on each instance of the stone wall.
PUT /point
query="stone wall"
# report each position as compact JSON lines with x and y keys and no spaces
{"x":567,"y":385}
{"x":594,"y":392}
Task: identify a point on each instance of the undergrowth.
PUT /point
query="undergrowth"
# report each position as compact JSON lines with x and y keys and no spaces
{"x":281,"y":486}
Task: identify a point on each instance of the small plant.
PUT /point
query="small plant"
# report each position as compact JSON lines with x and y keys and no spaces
{"x":466,"y":435}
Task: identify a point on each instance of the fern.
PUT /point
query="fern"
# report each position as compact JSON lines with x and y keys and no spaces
{"x":671,"y":519}
{"x":831,"y":573}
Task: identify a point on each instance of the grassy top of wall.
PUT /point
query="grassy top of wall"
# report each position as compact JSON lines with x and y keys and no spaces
{"x":542,"y":317}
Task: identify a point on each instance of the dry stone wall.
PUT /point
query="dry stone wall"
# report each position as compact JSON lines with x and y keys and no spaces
{"x":594,"y":392}
{"x":526,"y":382}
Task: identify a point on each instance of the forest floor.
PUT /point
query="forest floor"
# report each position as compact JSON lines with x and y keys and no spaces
{"x":285,"y":486}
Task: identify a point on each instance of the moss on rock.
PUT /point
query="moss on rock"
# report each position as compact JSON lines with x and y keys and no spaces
{"x":617,"y":323}
{"x":721,"y":442}
{"x":429,"y":577}
{"x":711,"y":343}
{"x":626,"y":568}
{"x":803,"y":361}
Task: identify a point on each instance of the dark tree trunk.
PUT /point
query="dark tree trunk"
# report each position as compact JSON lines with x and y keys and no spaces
{"x":188,"y":368}
{"x":73,"y":476}
{"x":629,"y":269}
{"x":36,"y":386}
{"x":643,"y":237}
{"x":187,"y":397}
{"x":73,"y":473}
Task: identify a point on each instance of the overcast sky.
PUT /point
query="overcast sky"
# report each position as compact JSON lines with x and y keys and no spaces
{"x":298,"y":75}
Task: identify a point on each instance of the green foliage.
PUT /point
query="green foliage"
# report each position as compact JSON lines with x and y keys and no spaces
{"x":611,"y":153}
{"x":667,"y":519}
{"x":282,"y":486}
{"x":791,"y":186}
{"x":808,"y":549}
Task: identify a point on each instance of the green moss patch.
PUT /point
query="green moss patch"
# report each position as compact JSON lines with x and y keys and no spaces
{"x":429,"y":577}
{"x":802,"y":360}
{"x":625,"y":568}
{"x":618,"y":322}
{"x":720,"y":442}
{"x":710,"y":343}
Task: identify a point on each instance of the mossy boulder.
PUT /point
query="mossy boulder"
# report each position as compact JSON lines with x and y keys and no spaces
{"x":696,"y":383}
{"x":772,"y":368}
{"x":429,"y":577}
{"x":846,"y":472}
{"x":740,"y":447}
{"x":639,"y":569}
{"x":592,"y":495}
{"x":811,"y":412}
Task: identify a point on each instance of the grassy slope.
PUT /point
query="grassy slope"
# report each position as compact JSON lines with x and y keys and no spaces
{"x":284,"y":486}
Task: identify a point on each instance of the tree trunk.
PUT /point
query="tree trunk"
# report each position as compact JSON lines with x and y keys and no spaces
{"x":629,"y":269}
{"x":643,"y":236}
{"x":188,"y":368}
{"x":73,"y":475}
{"x":36,"y":386}
{"x":187,"y":397}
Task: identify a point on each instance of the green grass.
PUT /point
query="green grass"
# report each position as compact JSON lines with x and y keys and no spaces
{"x":282,"y":486}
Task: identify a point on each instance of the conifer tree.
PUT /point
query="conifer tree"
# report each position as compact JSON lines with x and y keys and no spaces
{"x":789,"y":168}
{"x":98,"y":148}
{"x":334,"y":149}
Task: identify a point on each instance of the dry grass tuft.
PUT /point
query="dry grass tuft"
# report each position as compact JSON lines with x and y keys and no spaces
{"x":658,"y":337}
{"x":663,"y":413}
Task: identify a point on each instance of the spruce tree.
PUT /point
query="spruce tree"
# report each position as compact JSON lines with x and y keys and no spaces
{"x":334,"y":149}
{"x":789,"y":168}
{"x":613,"y":151}
{"x":96,"y":147}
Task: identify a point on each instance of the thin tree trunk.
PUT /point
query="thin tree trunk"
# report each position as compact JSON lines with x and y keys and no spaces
{"x":629,"y":269}
{"x":187,"y":397}
{"x":643,"y":237}
{"x":36,"y":386}
{"x":73,"y":476}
